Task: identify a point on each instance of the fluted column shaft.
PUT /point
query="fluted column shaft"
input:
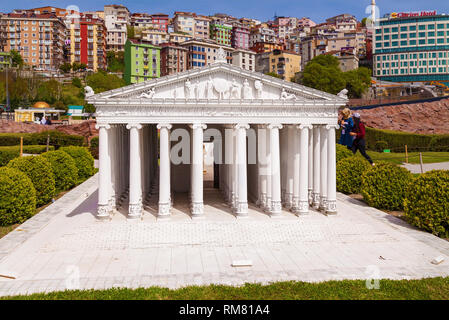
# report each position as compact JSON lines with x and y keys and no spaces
{"x":323,"y":175}
{"x":316,"y":166}
{"x":242,"y":190}
{"x":104,"y":173}
{"x":197,"y":205}
{"x":164,"y":170}
{"x":303,"y":207}
{"x":331,"y":204}
{"x":135,"y":175}
{"x":276,"y":204}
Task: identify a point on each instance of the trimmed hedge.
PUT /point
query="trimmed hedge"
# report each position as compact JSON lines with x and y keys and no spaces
{"x":94,"y":145}
{"x":349,"y":174}
{"x":64,"y":169}
{"x":7,"y":154}
{"x":427,"y":202}
{"x":10,"y":152}
{"x":384,"y":186}
{"x":39,"y":170}
{"x":380,"y":146}
{"x":57,"y":139}
{"x":343,"y":152}
{"x":17,"y":197}
{"x":84,"y":161}
{"x":397,"y":140}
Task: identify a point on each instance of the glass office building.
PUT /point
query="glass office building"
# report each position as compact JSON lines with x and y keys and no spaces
{"x":412,"y":48}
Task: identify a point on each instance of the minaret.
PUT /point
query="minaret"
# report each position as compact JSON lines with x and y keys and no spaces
{"x":373,"y":11}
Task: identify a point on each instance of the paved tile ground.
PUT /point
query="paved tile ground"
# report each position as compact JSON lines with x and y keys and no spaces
{"x":65,"y":248}
{"x":416,"y":168}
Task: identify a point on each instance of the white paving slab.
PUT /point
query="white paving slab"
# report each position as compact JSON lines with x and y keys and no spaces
{"x":64,"y":246}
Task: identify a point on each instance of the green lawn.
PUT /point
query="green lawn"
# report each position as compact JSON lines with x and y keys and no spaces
{"x":428,"y":289}
{"x":413,"y":157}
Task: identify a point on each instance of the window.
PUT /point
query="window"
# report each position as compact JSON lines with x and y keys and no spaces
{"x":431,"y":34}
{"x":402,"y":29}
{"x":422,"y":27}
{"x":412,"y":28}
{"x":422,"y":34}
{"x":403,"y":36}
{"x":431,"y":27}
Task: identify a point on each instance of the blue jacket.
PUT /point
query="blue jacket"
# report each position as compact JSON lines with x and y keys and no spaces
{"x":346,"y":139}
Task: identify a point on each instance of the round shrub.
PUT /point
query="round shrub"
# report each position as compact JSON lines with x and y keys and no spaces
{"x":64,"y":169}
{"x":349,"y":174}
{"x":343,"y":152}
{"x":384,"y":186}
{"x":380,"y":146}
{"x":17,"y":197}
{"x":426,"y":202}
{"x":39,"y":170}
{"x":84,"y":161}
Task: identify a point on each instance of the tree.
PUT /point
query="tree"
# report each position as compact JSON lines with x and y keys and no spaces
{"x":130,"y":32}
{"x":323,"y":73}
{"x":77,"y":82}
{"x":101,"y":81}
{"x":357,"y":81}
{"x":50,"y":91}
{"x":116,"y":61}
{"x":65,"y":67}
{"x":16,"y":58}
{"x":273,"y":74}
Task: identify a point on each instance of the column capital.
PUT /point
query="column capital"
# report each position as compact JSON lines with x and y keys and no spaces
{"x":305,"y":126}
{"x":137,"y":126}
{"x":241,"y":126}
{"x":275,"y":126}
{"x":164,"y":125}
{"x":332,"y":126}
{"x":102,"y":125}
{"x":198,"y":126}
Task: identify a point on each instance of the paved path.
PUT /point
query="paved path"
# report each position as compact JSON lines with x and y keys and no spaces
{"x":71,"y":249}
{"x":416,"y":168}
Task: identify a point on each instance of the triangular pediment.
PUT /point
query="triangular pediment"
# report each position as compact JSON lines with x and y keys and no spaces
{"x":219,"y":81}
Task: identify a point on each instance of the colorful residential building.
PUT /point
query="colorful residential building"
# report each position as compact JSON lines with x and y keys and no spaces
{"x":39,"y":38}
{"x":142,"y":61}
{"x":5,"y":60}
{"x":204,"y":52}
{"x":88,"y":42}
{"x":220,"y":32}
{"x":412,"y":47}
{"x":173,"y":58}
{"x":202,"y":27}
{"x":155,"y":36}
{"x":244,"y":59}
{"x":184,"y":22}
{"x":159,"y":21}
{"x":285,"y":64}
{"x":260,"y":47}
{"x":240,"y":35}
{"x":179,"y":37}
{"x":117,"y":18}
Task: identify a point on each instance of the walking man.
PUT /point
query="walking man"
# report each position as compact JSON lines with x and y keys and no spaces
{"x":359,"y":142}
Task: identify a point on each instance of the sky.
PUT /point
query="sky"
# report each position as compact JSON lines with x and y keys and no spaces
{"x":317,"y":10}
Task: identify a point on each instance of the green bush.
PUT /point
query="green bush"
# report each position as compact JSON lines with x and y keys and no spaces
{"x":426,"y":202}
{"x":57,"y":139}
{"x":94,"y":145}
{"x":84,"y":161}
{"x":64,"y":169}
{"x":440,"y":143}
{"x":343,"y":152}
{"x":380,"y":146}
{"x":7,"y":154}
{"x":39,"y":170}
{"x":17,"y":197}
{"x":10,"y":152}
{"x":349,"y":174}
{"x":397,"y":140}
{"x":384,"y":186}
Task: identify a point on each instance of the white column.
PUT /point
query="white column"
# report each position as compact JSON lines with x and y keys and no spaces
{"x":331,"y":204}
{"x":296,"y":170}
{"x":262,"y":165}
{"x":269,"y":162}
{"x":310,"y":166}
{"x":135,"y":175}
{"x":103,"y":210}
{"x":323,"y":175}
{"x":197,"y":205}
{"x":276,"y":205}
{"x":316,"y":167}
{"x":242,"y":197}
{"x":303,"y":203}
{"x":235,"y":173}
{"x":290,"y":176}
{"x":164,"y":170}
